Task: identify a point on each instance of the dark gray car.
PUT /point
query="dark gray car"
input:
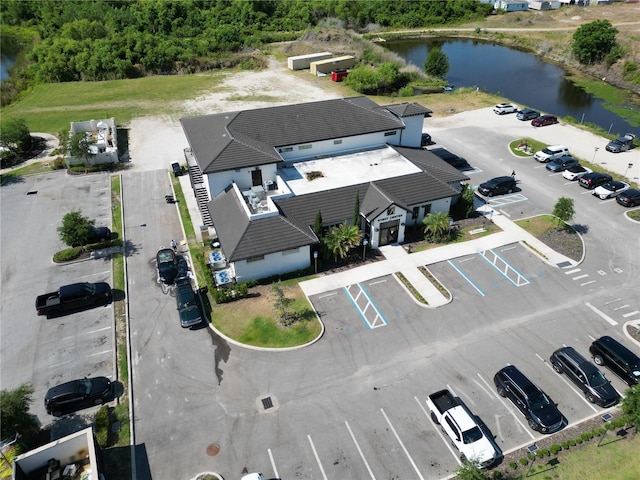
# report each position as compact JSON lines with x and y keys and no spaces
{"x":585,"y":375}
{"x":561,"y":164}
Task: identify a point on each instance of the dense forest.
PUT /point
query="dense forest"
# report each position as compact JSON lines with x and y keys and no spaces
{"x":111,"y":39}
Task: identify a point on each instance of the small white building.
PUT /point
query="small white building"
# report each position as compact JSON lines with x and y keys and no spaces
{"x":102,"y":136}
{"x":332,"y":64}
{"x":73,"y":456}
{"x":512,"y":5}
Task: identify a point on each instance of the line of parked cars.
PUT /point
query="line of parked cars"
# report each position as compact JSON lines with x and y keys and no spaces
{"x":558,"y":159}
{"x":540,"y":411}
{"x":537,"y":119}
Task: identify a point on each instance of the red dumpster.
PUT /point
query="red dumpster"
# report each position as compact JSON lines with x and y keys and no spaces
{"x":339,"y":75}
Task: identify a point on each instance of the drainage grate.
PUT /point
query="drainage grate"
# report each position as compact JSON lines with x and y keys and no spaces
{"x":32,"y":192}
{"x":267,"y":403}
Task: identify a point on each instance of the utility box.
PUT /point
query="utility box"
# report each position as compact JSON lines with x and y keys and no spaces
{"x":302,"y":62}
{"x":339,"y":75}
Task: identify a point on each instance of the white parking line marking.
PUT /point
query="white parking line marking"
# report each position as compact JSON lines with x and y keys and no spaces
{"x":438,"y":431}
{"x":504,"y":403}
{"x":612,"y":301}
{"x":366,"y":464}
{"x":58,"y":364}
{"x":273,"y":463}
{"x":481,"y":386}
{"x":101,"y":353}
{"x":587,"y":283}
{"x":623,"y":306}
{"x":379,"y":281}
{"x":618,"y":270}
{"x":324,"y":475}
{"x":602,"y":272}
{"x":413,"y":464}
{"x":579,"y":277}
{"x":630,"y":314}
{"x":86,"y":333}
{"x":602,"y":314}
{"x":328,"y":295}
{"x":569,"y":272}
{"x":541,"y":359}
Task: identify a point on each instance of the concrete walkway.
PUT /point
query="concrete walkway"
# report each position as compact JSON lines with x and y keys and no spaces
{"x":398,"y":260}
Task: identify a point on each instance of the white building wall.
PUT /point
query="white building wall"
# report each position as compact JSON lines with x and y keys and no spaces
{"x":411,"y":136}
{"x":273,"y":264}
{"x":242,"y":177}
{"x":337,"y":146}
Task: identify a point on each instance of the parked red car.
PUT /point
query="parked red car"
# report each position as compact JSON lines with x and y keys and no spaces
{"x":543,"y":120}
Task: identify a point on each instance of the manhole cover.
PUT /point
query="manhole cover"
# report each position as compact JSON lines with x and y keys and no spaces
{"x":213,"y":449}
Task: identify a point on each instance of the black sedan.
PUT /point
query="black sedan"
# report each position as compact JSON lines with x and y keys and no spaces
{"x":451,"y":158}
{"x":562,"y":163}
{"x":629,"y":198}
{"x":77,"y":394}
{"x":543,"y":120}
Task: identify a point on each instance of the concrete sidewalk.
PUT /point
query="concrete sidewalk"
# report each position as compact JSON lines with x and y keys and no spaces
{"x":398,"y":260}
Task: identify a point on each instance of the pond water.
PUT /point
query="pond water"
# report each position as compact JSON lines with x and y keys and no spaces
{"x":519,"y":77}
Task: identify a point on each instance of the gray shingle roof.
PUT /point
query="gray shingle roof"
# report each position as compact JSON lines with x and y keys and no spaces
{"x":242,"y":238}
{"x":336,"y":205}
{"x":227,"y":141}
{"x":408,"y":110}
{"x":431,"y":163}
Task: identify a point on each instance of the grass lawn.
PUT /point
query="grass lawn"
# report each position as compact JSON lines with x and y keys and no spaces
{"x":51,"y":107}
{"x":615,"y":459}
{"x":255,"y":320}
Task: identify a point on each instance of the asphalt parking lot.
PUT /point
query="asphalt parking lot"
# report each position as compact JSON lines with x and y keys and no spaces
{"x":37,"y":350}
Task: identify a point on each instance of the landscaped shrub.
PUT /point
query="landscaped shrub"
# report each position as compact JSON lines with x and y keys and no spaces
{"x":497,"y":474}
{"x":555,"y":449}
{"x":531,"y":456}
{"x":539,"y":454}
{"x":229,"y":294}
{"x":565,"y":445}
{"x":602,"y":431}
{"x":67,"y":255}
{"x":524,"y":462}
{"x":572,"y":443}
{"x":513,"y":465}
{"x":102,"y":426}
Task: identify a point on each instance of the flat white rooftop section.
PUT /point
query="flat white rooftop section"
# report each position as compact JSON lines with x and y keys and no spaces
{"x":345,"y":170}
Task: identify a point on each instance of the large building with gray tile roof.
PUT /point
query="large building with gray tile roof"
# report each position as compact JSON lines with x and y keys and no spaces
{"x":268,"y":172}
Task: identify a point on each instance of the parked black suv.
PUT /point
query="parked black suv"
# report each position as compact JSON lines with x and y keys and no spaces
{"x":451,"y":158}
{"x":594,"y":179}
{"x":77,"y":394}
{"x":620,"y":360}
{"x":188,"y":308}
{"x":541,"y":413}
{"x":497,"y":186}
{"x":585,"y":375}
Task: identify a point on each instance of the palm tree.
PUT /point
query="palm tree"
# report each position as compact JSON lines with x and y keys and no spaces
{"x":436,"y":226}
{"x":339,"y":240}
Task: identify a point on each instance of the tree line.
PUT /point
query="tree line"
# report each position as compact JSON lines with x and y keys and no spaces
{"x":99,"y":40}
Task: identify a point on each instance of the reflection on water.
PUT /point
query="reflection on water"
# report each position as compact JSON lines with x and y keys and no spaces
{"x":518,"y":76}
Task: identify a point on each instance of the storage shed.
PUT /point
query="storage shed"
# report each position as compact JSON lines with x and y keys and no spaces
{"x":512,"y":5}
{"x":302,"y":62}
{"x":332,"y":64}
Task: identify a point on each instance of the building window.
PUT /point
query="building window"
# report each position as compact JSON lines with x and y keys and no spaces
{"x":414,"y":212}
{"x":427,"y":210}
{"x":337,"y":142}
{"x":390,"y":134}
{"x":285,"y":149}
{"x":305,"y":147}
{"x":290,"y":251}
{"x":255,"y":259}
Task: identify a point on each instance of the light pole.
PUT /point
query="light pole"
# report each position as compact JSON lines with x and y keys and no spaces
{"x":315,"y":259}
{"x":365,"y":242}
{"x":595,"y":150}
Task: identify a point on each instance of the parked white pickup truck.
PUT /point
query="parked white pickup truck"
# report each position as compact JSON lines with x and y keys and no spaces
{"x":462,"y":428}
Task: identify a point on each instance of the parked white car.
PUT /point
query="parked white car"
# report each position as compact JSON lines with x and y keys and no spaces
{"x":610,"y":190}
{"x":502,"y":108}
{"x":575,"y":172}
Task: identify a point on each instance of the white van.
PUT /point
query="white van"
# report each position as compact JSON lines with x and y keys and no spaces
{"x":551,"y":153}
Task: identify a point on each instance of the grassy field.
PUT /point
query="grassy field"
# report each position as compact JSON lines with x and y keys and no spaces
{"x":614,"y":459}
{"x":50,"y":108}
